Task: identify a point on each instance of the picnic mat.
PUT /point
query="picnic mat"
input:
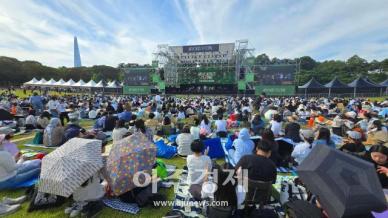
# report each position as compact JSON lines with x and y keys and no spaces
{"x":30,"y":154}
{"x":183,"y":198}
{"x":116,"y":204}
{"x":38,"y":146}
{"x":280,"y":177}
{"x":291,"y":170}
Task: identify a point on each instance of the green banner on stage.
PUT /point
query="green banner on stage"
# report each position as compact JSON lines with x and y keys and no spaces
{"x":249,"y":77}
{"x":241,"y":85}
{"x":162,"y":85}
{"x":279,"y":90}
{"x":138,"y":90}
{"x":155,"y":78}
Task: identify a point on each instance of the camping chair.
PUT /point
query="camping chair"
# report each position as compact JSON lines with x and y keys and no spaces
{"x":259,"y":193}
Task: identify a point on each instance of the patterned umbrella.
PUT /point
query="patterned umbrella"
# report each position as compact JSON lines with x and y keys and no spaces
{"x":69,"y":166}
{"x":128,"y":156}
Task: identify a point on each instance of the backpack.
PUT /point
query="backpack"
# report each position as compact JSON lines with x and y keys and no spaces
{"x":161,"y":169}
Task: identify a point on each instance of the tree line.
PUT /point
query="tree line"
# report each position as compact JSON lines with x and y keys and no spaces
{"x":15,"y":72}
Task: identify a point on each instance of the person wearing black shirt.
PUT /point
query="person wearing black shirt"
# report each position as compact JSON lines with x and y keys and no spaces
{"x":259,"y":166}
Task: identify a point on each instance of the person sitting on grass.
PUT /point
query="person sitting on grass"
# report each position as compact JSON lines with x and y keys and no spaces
{"x":353,"y":144}
{"x":243,"y":145}
{"x":53,"y":135}
{"x":8,"y":145}
{"x":258,"y":167}
{"x":12,"y":173}
{"x":31,"y":120}
{"x":194,"y":130}
{"x":43,"y":120}
{"x":184,"y":140}
{"x":303,"y":149}
{"x":119,"y":131}
{"x":198,"y":165}
{"x":324,"y":138}
{"x":257,"y":124}
{"x":126,"y":114}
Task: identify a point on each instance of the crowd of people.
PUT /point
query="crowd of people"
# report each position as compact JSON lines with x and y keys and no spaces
{"x":355,"y":126}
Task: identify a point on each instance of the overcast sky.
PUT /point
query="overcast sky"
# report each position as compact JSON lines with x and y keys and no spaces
{"x":114,"y":31}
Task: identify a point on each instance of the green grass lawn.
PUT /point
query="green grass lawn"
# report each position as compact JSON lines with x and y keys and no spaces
{"x":107,"y":212}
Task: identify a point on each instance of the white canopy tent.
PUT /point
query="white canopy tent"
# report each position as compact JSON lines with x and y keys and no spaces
{"x":99,"y":84}
{"x":80,"y":83}
{"x":90,"y":84}
{"x":31,"y":82}
{"x":69,"y":83}
{"x":113,"y":85}
{"x":60,"y":82}
{"x":41,"y":82}
{"x":51,"y":82}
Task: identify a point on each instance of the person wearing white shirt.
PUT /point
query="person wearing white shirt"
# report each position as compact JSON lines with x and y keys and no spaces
{"x":221,"y":125}
{"x":52,"y":107}
{"x":119,"y":131}
{"x":206,"y":125}
{"x":184,"y":140}
{"x":198,"y":167}
{"x":303,"y":149}
{"x":194,"y":130}
{"x":276,"y":125}
{"x":61,"y":108}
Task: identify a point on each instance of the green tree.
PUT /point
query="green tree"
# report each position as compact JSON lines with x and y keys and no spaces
{"x":262,"y":59}
{"x":307,"y":63}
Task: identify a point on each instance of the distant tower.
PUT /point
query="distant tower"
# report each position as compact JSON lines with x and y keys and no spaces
{"x":77,"y":56}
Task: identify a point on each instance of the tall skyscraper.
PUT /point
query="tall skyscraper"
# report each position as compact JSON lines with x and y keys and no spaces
{"x":77,"y":56}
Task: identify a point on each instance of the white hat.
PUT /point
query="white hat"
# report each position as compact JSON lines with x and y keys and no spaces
{"x":351,"y":114}
{"x":354,"y":135}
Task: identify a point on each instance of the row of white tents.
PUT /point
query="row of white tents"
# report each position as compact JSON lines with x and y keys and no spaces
{"x":72,"y":83}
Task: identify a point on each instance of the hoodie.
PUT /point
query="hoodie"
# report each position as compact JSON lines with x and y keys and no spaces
{"x":243,"y":145}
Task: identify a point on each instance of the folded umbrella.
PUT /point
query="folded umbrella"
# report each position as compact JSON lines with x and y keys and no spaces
{"x":128,"y":156}
{"x":69,"y":166}
{"x":347,"y":186}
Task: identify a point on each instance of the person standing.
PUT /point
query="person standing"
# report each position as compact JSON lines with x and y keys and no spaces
{"x":52,"y":106}
{"x":37,"y":103}
{"x":61,"y":108}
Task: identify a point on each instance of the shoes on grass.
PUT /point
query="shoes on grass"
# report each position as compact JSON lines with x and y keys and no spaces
{"x":6,"y":209}
{"x":13,"y":201}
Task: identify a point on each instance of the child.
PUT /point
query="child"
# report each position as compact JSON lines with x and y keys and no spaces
{"x":198,"y":165}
